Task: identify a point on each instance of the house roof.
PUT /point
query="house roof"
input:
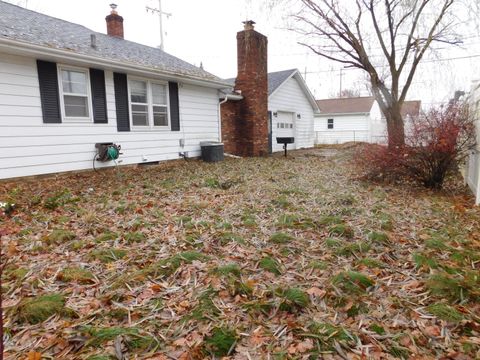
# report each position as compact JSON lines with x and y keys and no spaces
{"x":25,"y":26}
{"x":411,"y":108}
{"x":275,"y":79}
{"x":346,"y":105}
{"x":278,"y":78}
{"x":362,"y":105}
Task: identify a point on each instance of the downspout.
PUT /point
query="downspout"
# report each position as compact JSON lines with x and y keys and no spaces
{"x":220,"y":117}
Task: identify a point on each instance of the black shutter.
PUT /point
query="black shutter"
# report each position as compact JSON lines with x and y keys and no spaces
{"x":49,"y":94}
{"x":99,"y":96}
{"x":121,"y":101}
{"x":174,"y":106}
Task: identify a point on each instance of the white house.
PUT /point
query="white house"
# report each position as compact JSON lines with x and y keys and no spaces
{"x":355,"y":119}
{"x":64,"y":88}
{"x":472,"y":175}
{"x":291,"y":108}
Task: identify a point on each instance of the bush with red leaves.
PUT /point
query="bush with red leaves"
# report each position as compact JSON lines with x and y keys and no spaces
{"x":436,"y":143}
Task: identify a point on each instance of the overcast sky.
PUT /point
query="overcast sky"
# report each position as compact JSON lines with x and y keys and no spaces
{"x":205,"y":32}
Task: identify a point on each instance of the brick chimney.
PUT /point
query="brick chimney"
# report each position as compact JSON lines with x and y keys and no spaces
{"x":252,"y":81}
{"x":114,"y":23}
{"x":245,"y":122}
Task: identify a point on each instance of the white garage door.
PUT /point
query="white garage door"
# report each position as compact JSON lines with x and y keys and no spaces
{"x":283,"y":126}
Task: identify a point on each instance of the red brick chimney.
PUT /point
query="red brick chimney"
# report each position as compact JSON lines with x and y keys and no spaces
{"x":252,"y":81}
{"x":114,"y":23}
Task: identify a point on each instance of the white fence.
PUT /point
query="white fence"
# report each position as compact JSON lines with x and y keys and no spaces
{"x":343,"y":136}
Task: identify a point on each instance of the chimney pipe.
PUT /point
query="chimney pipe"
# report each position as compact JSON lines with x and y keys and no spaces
{"x":114,"y":23}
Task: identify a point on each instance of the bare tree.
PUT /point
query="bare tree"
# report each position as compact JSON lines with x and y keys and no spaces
{"x":385,"y":38}
{"x":348,"y":93}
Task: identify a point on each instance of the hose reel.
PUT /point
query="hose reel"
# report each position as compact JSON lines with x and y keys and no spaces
{"x":107,"y":152}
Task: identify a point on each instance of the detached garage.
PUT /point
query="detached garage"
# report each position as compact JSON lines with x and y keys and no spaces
{"x":291,"y":109}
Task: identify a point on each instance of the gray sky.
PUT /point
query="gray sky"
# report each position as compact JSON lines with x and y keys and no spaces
{"x":205,"y":31}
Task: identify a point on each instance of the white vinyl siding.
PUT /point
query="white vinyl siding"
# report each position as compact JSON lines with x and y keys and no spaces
{"x":345,"y":128}
{"x":30,"y":147}
{"x":291,"y":98}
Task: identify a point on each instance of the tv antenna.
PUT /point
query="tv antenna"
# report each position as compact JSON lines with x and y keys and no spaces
{"x":160,"y":13}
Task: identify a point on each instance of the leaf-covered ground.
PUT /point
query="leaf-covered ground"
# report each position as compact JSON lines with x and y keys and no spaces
{"x":267,"y":258}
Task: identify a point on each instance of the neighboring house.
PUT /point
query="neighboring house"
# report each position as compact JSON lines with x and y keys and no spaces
{"x":472,"y":175}
{"x":64,"y":88}
{"x":356,"y":119}
{"x":262,"y":106}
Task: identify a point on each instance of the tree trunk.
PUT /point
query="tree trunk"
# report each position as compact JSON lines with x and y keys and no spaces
{"x":395,"y":128}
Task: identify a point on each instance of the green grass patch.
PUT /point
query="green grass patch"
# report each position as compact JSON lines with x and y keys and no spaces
{"x":333,"y":242}
{"x":206,"y":309}
{"x":59,"y":237}
{"x":326,"y":335}
{"x":76,"y":274}
{"x":353,"y":248}
{"x":371,"y":263}
{"x":107,"y":236}
{"x":445,"y":312}
{"x":38,"y":309}
{"x":281,"y":202}
{"x":228,"y":237}
{"x":108,"y":255}
{"x":293,"y":298}
{"x":229,"y":270}
{"x":424,"y":261}
{"x":135,"y":237}
{"x":378,"y":237}
{"x":270,"y":264}
{"x":455,"y":287}
{"x":221,"y":342}
{"x":318,"y":265}
{"x":330,"y":220}
{"x":341,"y":230}
{"x":353,"y":282}
{"x":281,"y":238}
{"x":377,"y":329}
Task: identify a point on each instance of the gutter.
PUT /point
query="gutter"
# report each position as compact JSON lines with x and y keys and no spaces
{"x":20,"y":48}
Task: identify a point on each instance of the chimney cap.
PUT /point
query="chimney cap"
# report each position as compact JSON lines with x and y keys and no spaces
{"x":113,"y":6}
{"x":248,"y":24}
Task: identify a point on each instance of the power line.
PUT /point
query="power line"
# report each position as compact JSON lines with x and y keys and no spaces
{"x":385,"y":66}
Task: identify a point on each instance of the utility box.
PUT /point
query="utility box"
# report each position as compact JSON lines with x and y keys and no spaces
{"x":212,"y":151}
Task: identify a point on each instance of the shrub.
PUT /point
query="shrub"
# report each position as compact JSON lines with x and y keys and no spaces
{"x":435,"y":144}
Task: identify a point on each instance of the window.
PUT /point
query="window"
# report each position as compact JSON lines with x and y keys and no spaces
{"x":75,"y":94}
{"x":330,"y":124}
{"x":148,"y":104}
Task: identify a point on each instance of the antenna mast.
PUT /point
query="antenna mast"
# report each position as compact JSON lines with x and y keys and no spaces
{"x":160,"y":13}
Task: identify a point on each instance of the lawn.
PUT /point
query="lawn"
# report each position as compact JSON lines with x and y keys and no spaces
{"x":266,"y":258}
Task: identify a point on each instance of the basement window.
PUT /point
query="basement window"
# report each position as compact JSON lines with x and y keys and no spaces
{"x":330,"y":124}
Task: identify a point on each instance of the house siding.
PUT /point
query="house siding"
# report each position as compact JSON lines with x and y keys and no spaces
{"x":346,"y":128}
{"x":472,"y":176}
{"x":291,"y":98}
{"x":30,"y":147}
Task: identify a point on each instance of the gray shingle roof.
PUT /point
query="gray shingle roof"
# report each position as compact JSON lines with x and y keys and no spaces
{"x":275,"y":79}
{"x":17,"y":23}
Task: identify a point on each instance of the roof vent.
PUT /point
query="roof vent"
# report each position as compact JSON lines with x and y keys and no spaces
{"x":93,"y":41}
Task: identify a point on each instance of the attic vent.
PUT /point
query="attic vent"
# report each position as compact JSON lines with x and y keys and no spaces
{"x":93,"y":41}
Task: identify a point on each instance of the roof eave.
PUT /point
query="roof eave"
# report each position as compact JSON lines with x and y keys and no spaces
{"x":343,"y":114}
{"x":15,"y":46}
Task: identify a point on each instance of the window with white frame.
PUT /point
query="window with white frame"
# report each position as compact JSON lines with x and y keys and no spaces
{"x":148,"y":104}
{"x":330,"y":124}
{"x":75,"y":94}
